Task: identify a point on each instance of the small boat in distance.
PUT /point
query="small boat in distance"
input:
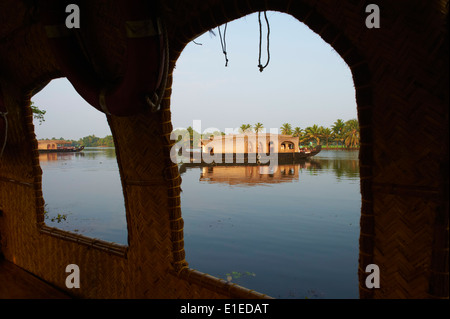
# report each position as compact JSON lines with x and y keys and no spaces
{"x":57,"y":146}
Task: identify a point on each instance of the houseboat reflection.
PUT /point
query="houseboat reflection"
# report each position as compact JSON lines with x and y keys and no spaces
{"x":249,"y":175}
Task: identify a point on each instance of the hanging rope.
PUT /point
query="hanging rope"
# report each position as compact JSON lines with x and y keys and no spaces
{"x":260,"y":66}
{"x":155,"y":100}
{"x":223,"y":43}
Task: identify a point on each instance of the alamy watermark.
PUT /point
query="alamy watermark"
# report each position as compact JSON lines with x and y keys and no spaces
{"x":73,"y":280}
{"x":73,"y":17}
{"x":373,"y":279}
{"x":373,"y":19}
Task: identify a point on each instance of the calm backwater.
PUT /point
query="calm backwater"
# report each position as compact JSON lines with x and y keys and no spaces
{"x":290,"y":233}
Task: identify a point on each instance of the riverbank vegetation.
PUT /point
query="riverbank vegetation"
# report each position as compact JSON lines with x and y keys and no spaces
{"x":341,"y":135}
{"x":90,"y":141}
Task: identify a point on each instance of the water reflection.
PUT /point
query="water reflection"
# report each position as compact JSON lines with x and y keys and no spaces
{"x":252,"y":175}
{"x":295,"y":227}
{"x":92,"y":153}
{"x":249,"y":175}
{"x":85,"y":189}
{"x":88,"y":153}
{"x":49,"y":157}
{"x":291,"y":226}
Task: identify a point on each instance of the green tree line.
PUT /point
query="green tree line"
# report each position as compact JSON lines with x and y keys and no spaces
{"x":342,"y":133}
{"x":90,"y":141}
{"x":87,"y":141}
{"x":94,"y":141}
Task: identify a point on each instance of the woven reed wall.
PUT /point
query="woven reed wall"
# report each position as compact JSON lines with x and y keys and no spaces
{"x":144,"y":269}
{"x":402,"y":99}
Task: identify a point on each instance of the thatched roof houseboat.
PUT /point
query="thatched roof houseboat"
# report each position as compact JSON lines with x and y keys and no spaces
{"x":50,"y":146}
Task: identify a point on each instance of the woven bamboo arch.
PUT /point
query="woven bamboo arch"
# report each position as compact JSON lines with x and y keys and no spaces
{"x":401,"y":94}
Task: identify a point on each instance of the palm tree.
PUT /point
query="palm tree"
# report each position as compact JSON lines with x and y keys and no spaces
{"x":191,"y":136}
{"x":258,"y":127}
{"x":338,"y":129}
{"x":297,"y":132}
{"x":338,"y":126}
{"x":327,"y":133}
{"x":286,"y":129}
{"x":314,"y":133}
{"x":303,"y":139}
{"x":244,"y":128}
{"x":351,"y":133}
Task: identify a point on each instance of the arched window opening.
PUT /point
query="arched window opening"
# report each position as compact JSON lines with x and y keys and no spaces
{"x":80,"y":178}
{"x":287,"y":231}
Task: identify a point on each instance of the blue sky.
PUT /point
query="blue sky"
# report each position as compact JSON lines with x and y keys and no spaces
{"x":305,"y":83}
